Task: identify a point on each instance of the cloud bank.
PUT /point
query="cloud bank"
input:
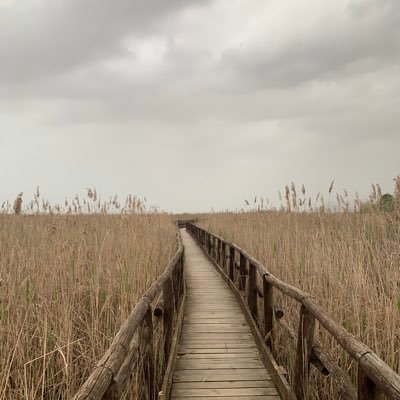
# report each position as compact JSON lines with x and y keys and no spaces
{"x":198,"y":104}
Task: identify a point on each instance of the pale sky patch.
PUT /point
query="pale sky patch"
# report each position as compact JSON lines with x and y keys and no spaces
{"x":198,"y":104}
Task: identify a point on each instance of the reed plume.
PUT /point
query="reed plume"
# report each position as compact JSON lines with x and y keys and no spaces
{"x":18,"y":204}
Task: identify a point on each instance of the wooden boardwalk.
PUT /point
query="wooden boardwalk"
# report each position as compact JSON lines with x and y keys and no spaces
{"x":217,"y":357}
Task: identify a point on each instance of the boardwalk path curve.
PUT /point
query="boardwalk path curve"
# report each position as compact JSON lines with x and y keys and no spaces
{"x":217,"y":356}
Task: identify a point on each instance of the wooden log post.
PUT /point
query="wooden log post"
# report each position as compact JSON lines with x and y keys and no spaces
{"x":175,"y":285}
{"x":218,"y":247}
{"x":366,"y":389}
{"x":242,"y":272}
{"x":231,"y":263}
{"x":124,"y":375}
{"x":252,"y":290}
{"x":303,"y":355}
{"x":223,"y":256}
{"x":168,"y":317}
{"x":268,"y":300}
{"x":149,"y":363}
{"x":181,"y":279}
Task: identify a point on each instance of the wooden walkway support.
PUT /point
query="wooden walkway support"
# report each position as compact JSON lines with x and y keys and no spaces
{"x":217,"y":357}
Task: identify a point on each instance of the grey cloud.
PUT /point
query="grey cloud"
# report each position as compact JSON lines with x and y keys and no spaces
{"x":367,"y":39}
{"x":60,"y":35}
{"x":205,"y":106}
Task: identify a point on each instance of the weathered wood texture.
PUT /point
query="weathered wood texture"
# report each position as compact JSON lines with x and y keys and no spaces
{"x":136,"y":346}
{"x":374,"y":375}
{"x":217,"y":356}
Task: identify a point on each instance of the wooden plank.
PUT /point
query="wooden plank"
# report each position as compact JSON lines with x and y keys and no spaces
{"x":246,"y":360}
{"x":267,"y":397}
{"x":223,"y":337}
{"x":223,"y":384}
{"x":229,"y":350}
{"x":271,"y":397}
{"x":213,"y":317}
{"x":215,"y":356}
{"x":231,"y":344}
{"x":235,"y":392}
{"x":218,"y":364}
{"x":216,"y":375}
{"x":211,"y":321}
{"x":206,"y":302}
{"x":216,"y":328}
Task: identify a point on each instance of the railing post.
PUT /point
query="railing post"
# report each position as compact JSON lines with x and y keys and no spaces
{"x":242,"y":272}
{"x":303,"y":354}
{"x":366,"y":389}
{"x":175,"y":285}
{"x":181,"y":273}
{"x":223,"y":255}
{"x":168,"y":301}
{"x":268,"y":311}
{"x":218,"y":257}
{"x":209,"y":243}
{"x":149,"y":357}
{"x":252,"y":290}
{"x":231,"y":263}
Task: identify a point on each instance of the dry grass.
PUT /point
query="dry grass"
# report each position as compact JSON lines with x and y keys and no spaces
{"x":67,"y":281}
{"x":66,"y":285}
{"x":350,"y":262}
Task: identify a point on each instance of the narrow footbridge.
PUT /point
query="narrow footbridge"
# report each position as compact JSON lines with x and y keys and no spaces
{"x":217,"y":356}
{"x":205,"y":331}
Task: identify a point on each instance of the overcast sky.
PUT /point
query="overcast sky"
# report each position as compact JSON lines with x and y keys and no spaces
{"x":198,"y":104}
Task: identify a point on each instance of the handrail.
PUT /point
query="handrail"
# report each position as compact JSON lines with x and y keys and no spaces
{"x":373,"y":373}
{"x":112,"y":372}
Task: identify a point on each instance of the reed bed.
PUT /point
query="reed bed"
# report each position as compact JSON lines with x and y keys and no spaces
{"x":67,"y":282}
{"x":350,"y":262}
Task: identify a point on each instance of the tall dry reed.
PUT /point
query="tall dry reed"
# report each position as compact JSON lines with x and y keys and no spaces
{"x":350,"y":262}
{"x":66,"y":285}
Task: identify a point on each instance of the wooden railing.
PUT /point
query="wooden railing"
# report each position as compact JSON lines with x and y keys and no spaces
{"x":142,"y":347}
{"x":181,"y":223}
{"x":254,"y":281}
